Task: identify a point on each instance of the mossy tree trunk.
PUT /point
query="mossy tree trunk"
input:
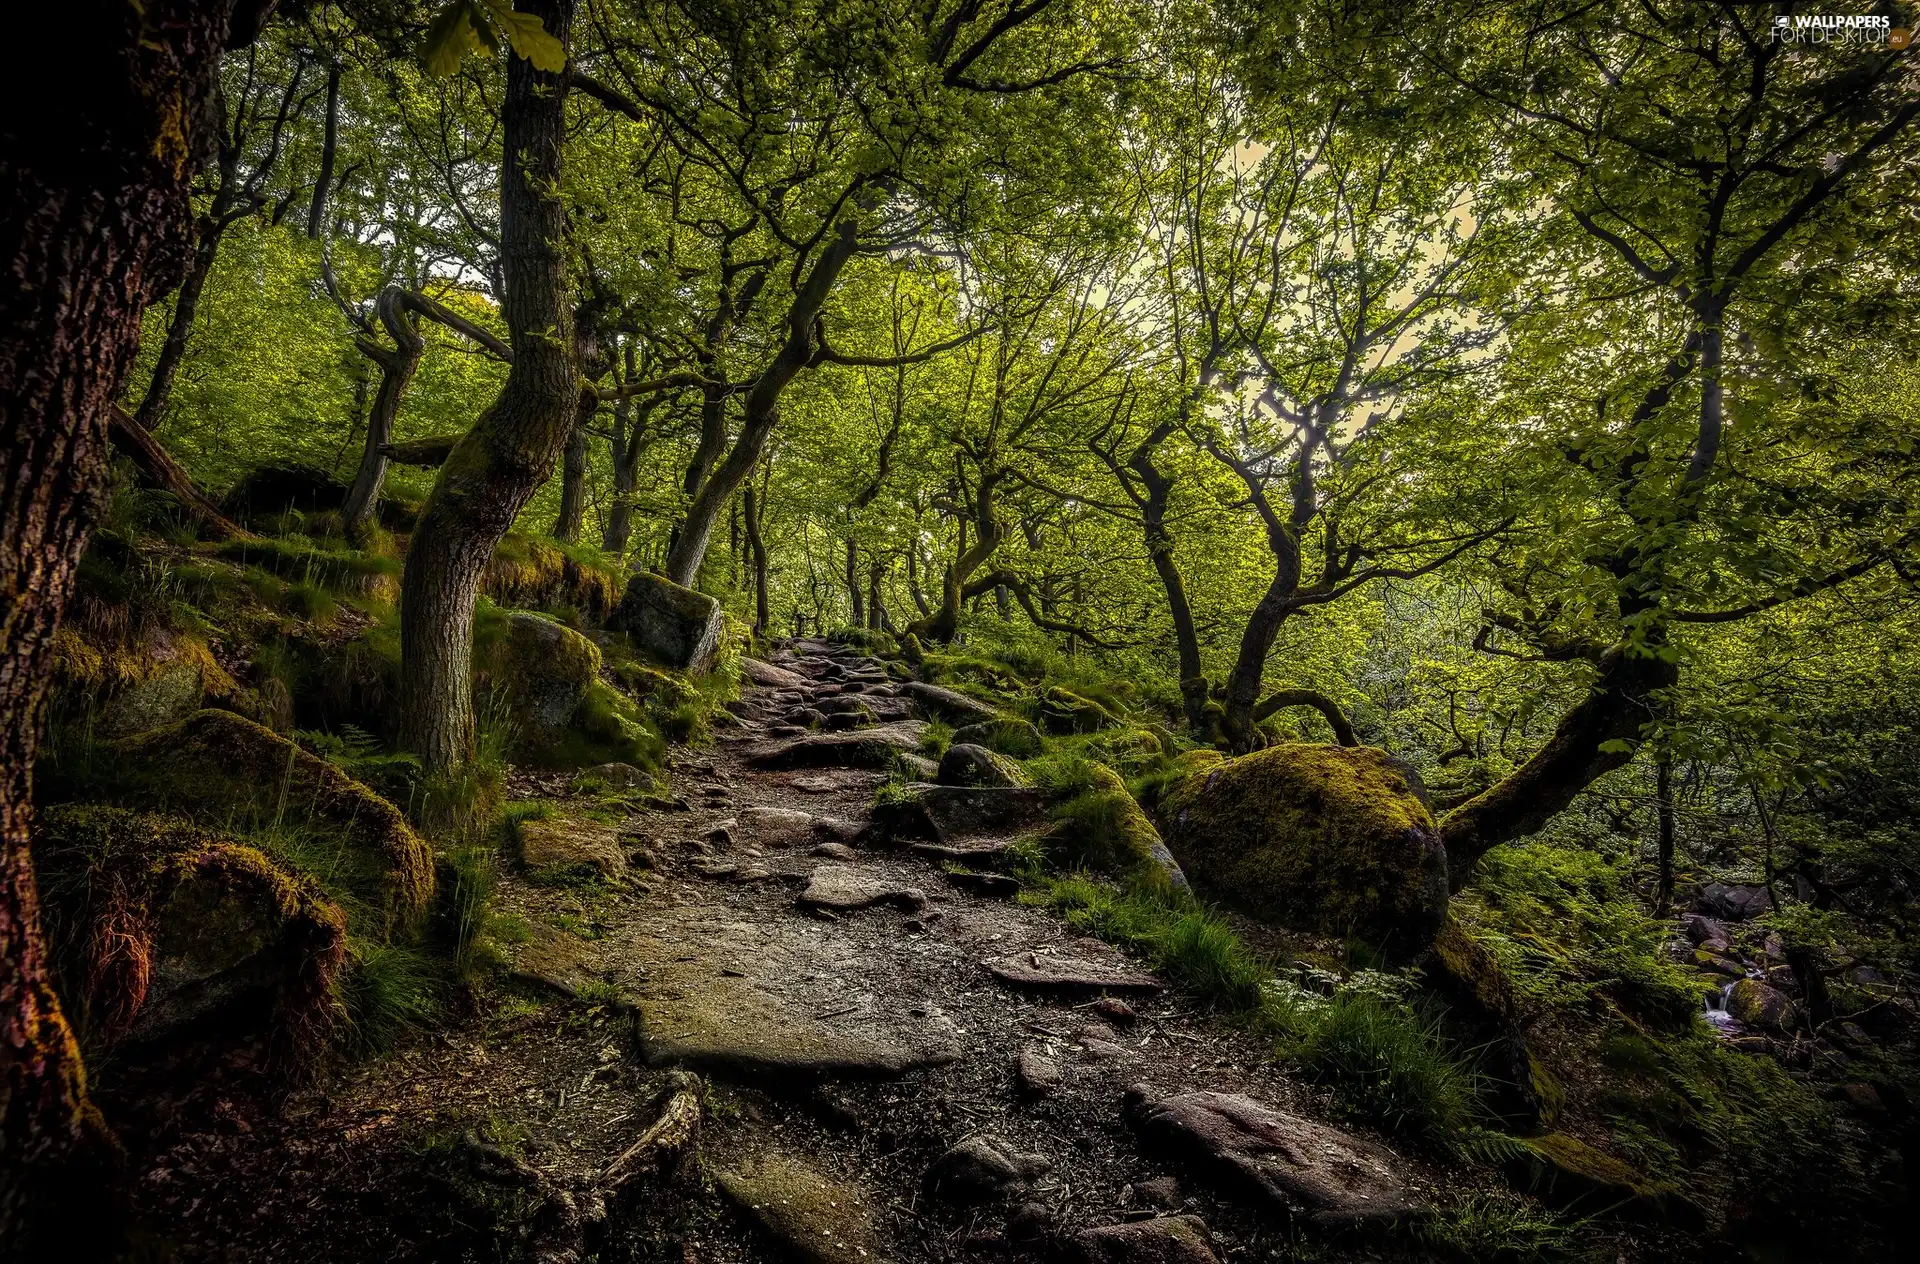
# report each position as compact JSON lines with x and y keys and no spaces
{"x":511,"y":450}
{"x":95,"y":223}
{"x":942,"y":623}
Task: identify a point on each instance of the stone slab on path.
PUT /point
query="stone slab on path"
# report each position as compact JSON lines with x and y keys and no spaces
{"x":793,"y":998}
{"x":1068,"y":974}
{"x":770,"y":677}
{"x":861,"y":748}
{"x":1165,"y":1240}
{"x":815,"y":1217}
{"x":1291,"y":1164}
{"x":843,"y":888}
{"x":570,"y":844}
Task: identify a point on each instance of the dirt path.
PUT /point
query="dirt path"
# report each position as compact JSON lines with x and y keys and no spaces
{"x":837,"y":999}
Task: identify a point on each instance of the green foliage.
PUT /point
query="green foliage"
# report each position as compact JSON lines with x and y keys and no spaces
{"x":389,"y":991}
{"x":1390,"y":1067}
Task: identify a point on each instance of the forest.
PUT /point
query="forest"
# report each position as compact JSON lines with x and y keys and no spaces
{"x":1159,"y":631}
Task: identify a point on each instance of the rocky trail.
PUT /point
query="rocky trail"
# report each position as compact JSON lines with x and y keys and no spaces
{"x":773,"y":1028}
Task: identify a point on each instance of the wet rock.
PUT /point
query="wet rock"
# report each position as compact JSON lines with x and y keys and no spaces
{"x":768,"y":676}
{"x":1734,"y":902}
{"x":1329,"y":839}
{"x":983,"y":1168}
{"x":1007,"y":735}
{"x":1037,"y":1074}
{"x":678,"y":626}
{"x":866,"y":748}
{"x":1165,"y":1240}
{"x":814,"y":1216}
{"x":841,"y":888}
{"x":966,"y":765}
{"x":1336,"y":1179}
{"x":1701,"y":928}
{"x":947,"y":704}
{"x":1759,"y":1005}
{"x":1068,"y":974}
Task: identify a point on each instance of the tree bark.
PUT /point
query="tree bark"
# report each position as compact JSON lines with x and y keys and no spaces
{"x":1614,"y":712}
{"x":1153,"y":507}
{"x":942,"y":624}
{"x":1327,"y":707}
{"x":496,"y":466}
{"x":855,"y":598}
{"x":95,"y":223}
{"x":1663,"y":808}
{"x":186,"y":309}
{"x":397,"y":367}
{"x":757,"y":545}
{"x":573,"y":476}
{"x":329,"y":146}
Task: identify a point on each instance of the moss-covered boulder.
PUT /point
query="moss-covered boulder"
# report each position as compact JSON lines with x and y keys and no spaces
{"x":540,"y":672}
{"x":159,"y":926}
{"x":1064,"y":711}
{"x":677,"y":626}
{"x":165,"y":676}
{"x":1104,"y":828}
{"x":965,"y":765}
{"x":224,"y":770}
{"x":1329,"y":839}
{"x":1007,"y":735}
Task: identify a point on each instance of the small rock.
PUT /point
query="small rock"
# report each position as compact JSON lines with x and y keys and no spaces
{"x":918,"y":767}
{"x":992,"y":885}
{"x":984,"y":1167}
{"x":565,"y":844}
{"x":1758,"y":1005}
{"x":1038,"y":1075}
{"x":752,"y":874}
{"x":1159,"y":1191}
{"x":1865,"y":1098}
{"x":1116,"y":1009}
{"x":1031,"y":1225}
{"x":720,"y":835}
{"x":835,"y":851}
{"x":775,"y":827}
{"x":1066,"y":974}
{"x":1701,"y":928}
{"x":1165,"y":1240}
{"x":848,"y":721}
{"x":644,"y":858}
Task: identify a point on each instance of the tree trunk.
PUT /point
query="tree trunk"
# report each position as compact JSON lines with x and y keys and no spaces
{"x":855,"y":598}
{"x":329,"y":146}
{"x":496,"y":467}
{"x":876,"y":613}
{"x":626,"y":475}
{"x":186,"y":307}
{"x":757,"y":545}
{"x":95,"y":223}
{"x":1615,"y":711}
{"x":1193,"y":677}
{"x":573,"y":475}
{"x":943,"y":623}
{"x":762,"y":407}
{"x":1663,"y":806}
{"x":397,"y":367}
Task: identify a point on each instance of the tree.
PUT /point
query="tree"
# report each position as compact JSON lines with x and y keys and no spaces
{"x":96,"y":176}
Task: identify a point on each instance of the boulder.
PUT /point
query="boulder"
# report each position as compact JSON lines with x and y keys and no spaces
{"x":157,"y":924}
{"x":775,"y":827}
{"x":1700,"y":929}
{"x":1327,"y":839}
{"x":1290,"y":1163}
{"x":541,"y":670}
{"x":678,"y":626}
{"x":224,"y":770}
{"x":947,"y":704}
{"x":1107,"y":829}
{"x":1759,"y":1005}
{"x":848,"y":721}
{"x":1164,"y":1240}
{"x":916,"y":766}
{"x":842,"y":888}
{"x":1064,"y":711}
{"x":983,"y":1168}
{"x":1007,"y":735}
{"x":967,"y":765}
{"x":1733,"y":902}
{"x":947,"y":814}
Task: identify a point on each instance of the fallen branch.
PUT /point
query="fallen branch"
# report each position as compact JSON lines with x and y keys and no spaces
{"x":138,"y":445}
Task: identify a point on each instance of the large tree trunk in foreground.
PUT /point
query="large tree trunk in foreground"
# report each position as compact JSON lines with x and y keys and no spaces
{"x":1614,"y":713}
{"x":496,"y":467}
{"x":95,"y":223}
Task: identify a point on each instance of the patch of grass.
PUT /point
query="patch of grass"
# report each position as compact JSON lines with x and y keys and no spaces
{"x":1390,"y":1067}
{"x":390,"y":990}
{"x":1172,"y":930}
{"x":935,"y":739}
{"x":469,"y":901}
{"x":602,"y":995}
{"x":1501,"y":1229}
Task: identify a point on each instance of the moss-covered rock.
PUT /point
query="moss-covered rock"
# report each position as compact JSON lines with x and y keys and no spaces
{"x":1567,"y":1172}
{"x":536,"y":574}
{"x":158,"y":924}
{"x":1064,"y":711}
{"x":225,"y":770}
{"x":1323,"y":838}
{"x":1008,"y":735}
{"x":1760,"y":1005}
{"x":1103,"y":827}
{"x":966,"y":765}
{"x":677,"y":626}
{"x":539,"y":671}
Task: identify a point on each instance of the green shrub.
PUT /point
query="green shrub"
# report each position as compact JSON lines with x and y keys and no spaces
{"x":1390,"y":1067}
{"x":389,"y":991}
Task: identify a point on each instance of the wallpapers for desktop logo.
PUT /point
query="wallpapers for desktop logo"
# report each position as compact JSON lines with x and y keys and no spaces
{"x":1833,"y":28}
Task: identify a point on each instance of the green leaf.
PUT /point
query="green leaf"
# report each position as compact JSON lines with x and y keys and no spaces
{"x":528,"y":37}
{"x":449,"y":39}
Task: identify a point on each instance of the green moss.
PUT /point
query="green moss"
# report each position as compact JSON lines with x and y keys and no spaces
{"x":1103,"y":828}
{"x":228,"y":771}
{"x":1008,"y":735}
{"x":1391,"y":1067}
{"x":1324,"y":838}
{"x":1064,"y":711}
{"x":539,"y":574}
